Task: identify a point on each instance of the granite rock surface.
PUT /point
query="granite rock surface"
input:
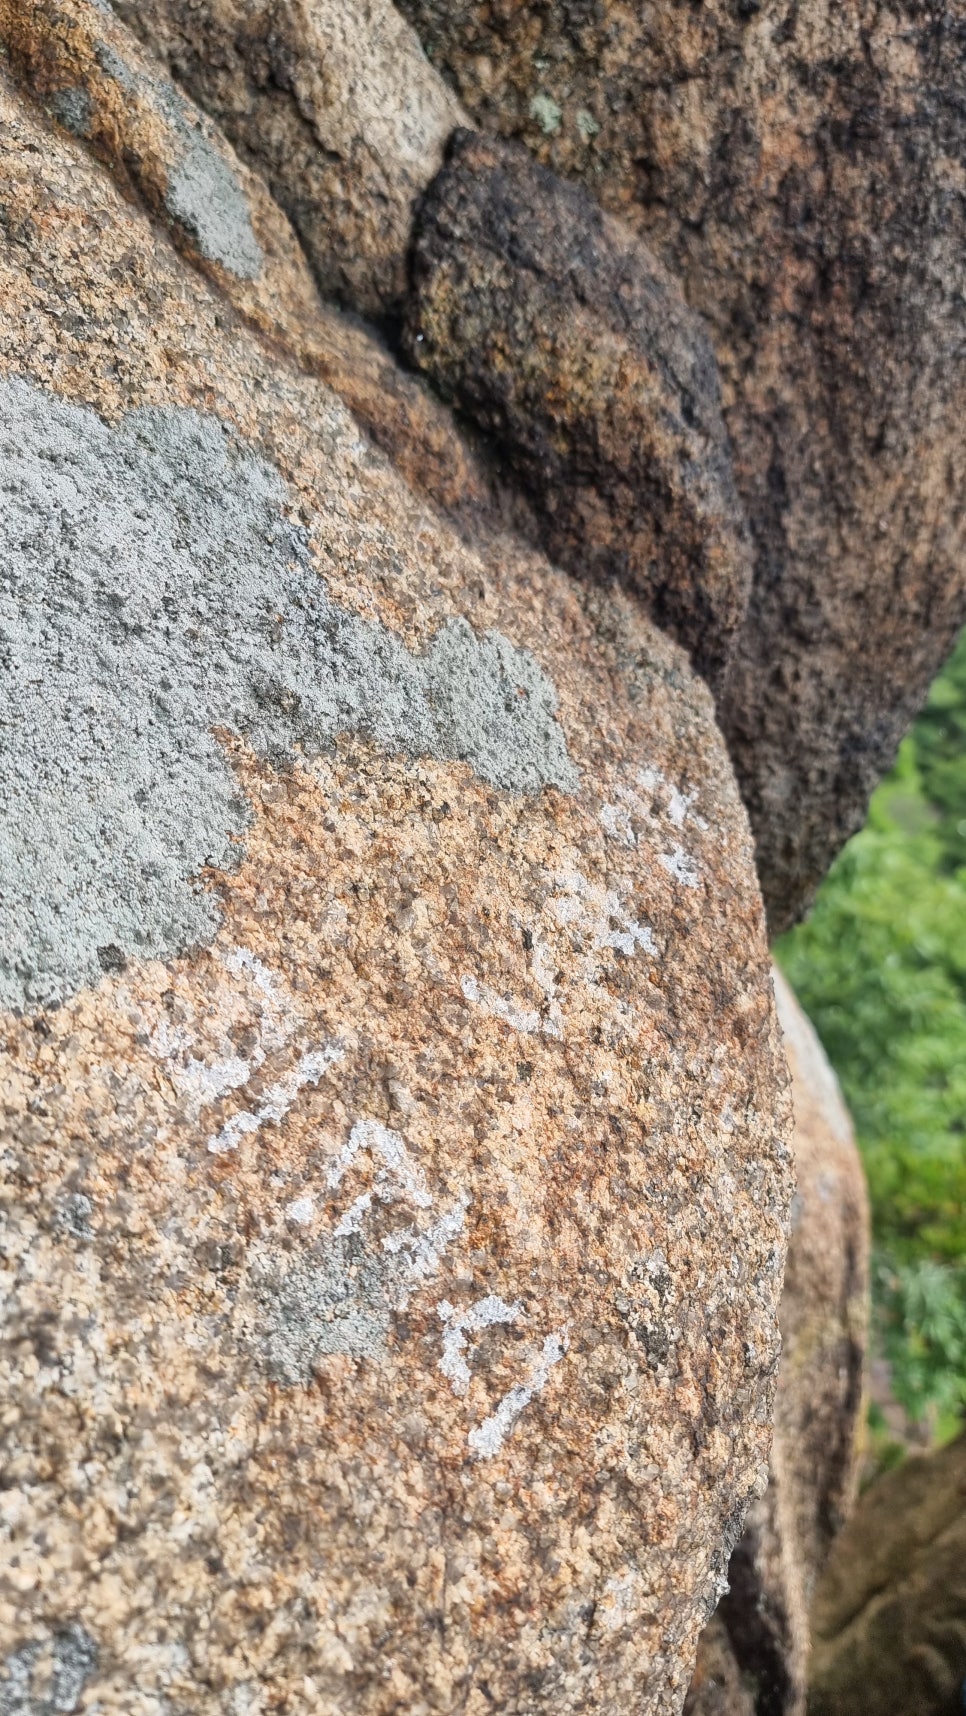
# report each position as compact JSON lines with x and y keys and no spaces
{"x":797,"y":165}
{"x":335,"y":105}
{"x":394,"y":1172}
{"x":91,"y":74}
{"x":753,"y":1658}
{"x":549,"y":324}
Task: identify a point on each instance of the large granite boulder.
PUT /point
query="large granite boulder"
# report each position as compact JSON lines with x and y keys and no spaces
{"x":394,"y":1175}
{"x":753,"y":1657}
{"x":796,"y":165}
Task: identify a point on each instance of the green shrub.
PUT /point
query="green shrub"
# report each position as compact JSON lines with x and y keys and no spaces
{"x":880,"y":966}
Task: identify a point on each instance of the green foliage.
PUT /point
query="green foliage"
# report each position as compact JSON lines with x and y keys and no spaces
{"x":880,"y":966}
{"x":940,"y":745}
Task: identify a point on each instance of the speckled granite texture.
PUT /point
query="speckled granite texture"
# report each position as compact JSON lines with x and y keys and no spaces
{"x":797,"y":165}
{"x":391,"y":1276}
{"x":753,"y":1659}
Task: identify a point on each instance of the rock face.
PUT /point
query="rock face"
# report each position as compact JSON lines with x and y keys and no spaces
{"x":336,"y":106}
{"x":91,"y":75}
{"x":753,"y":1658}
{"x":549,"y":324}
{"x":888,"y":1620}
{"x":797,"y":167}
{"x":393,"y":1174}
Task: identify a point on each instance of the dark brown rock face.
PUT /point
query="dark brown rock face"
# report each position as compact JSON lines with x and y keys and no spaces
{"x":890,"y":1614}
{"x":559,"y":332}
{"x":797,"y":165}
{"x":753,"y":1657}
{"x":718,"y":1687}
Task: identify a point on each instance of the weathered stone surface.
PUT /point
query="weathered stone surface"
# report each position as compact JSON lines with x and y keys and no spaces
{"x":392,"y":1272}
{"x":91,"y":74}
{"x":797,"y":164}
{"x":336,"y":106}
{"x":546,"y":321}
{"x":758,"y":1645}
{"x":824,"y":1314}
{"x":889,"y":1628}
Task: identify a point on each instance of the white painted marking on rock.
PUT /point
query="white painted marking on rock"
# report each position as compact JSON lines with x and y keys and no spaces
{"x":301,"y":1210}
{"x":681,"y":866}
{"x":487,"y":1438}
{"x":482,"y":1314}
{"x":680,"y":805}
{"x":199,"y":1082}
{"x":616,"y":822}
{"x":277,"y":1100}
{"x":401,"y":1176}
{"x":426,"y":1249}
{"x":526,"y":1020}
{"x":351,"y":1222}
{"x":600,"y":913}
{"x":278,"y":1020}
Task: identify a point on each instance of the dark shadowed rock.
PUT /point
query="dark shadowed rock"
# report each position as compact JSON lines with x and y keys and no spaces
{"x":797,"y":165}
{"x":890,"y":1616}
{"x":564,"y":337}
{"x":718,"y":1686}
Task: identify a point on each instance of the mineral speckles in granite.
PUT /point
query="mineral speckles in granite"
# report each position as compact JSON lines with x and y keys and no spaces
{"x":155,"y":586}
{"x":243,"y":1516}
{"x":501,"y":1187}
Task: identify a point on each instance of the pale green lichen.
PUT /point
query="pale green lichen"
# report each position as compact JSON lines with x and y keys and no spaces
{"x":547,"y":114}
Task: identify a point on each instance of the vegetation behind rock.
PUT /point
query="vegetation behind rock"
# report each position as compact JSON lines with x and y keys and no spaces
{"x":881,"y":968}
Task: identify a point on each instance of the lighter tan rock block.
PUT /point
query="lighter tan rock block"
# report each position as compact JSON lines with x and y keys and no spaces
{"x":755,"y":1654}
{"x":91,"y":74}
{"x":337,"y":106}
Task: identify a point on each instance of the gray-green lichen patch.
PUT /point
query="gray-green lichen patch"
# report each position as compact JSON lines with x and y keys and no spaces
{"x":337,"y":1299}
{"x":48,"y":1675}
{"x":205,"y":196}
{"x":153,"y":587}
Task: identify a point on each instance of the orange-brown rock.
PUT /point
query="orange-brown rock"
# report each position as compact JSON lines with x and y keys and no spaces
{"x":394,"y":1184}
{"x":92,"y":75}
{"x":754,"y":1655}
{"x":797,"y":165}
{"x":336,"y":106}
{"x":547,"y":322}
{"x":890,"y":1635}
